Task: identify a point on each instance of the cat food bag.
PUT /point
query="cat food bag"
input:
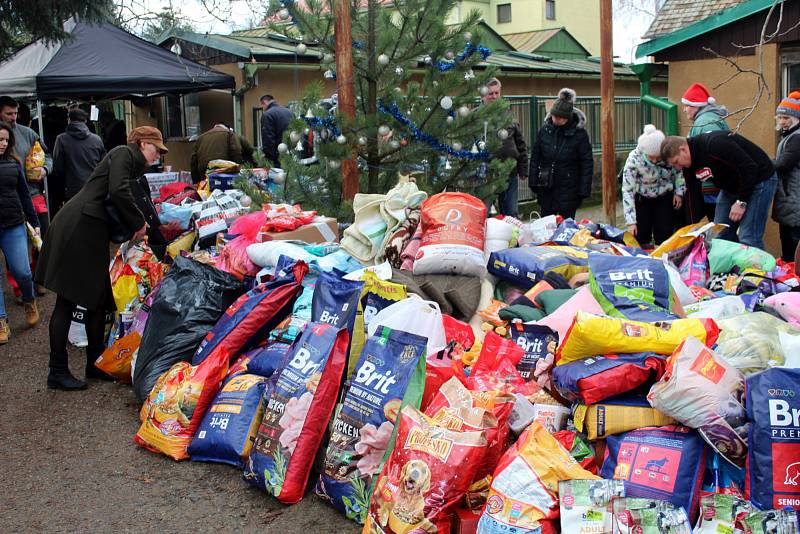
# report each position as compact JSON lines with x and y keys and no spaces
{"x":771,"y":522}
{"x":586,"y":504}
{"x":424,"y":478}
{"x":773,"y":461}
{"x":228,"y":429}
{"x":525,"y":266}
{"x":539,"y":344}
{"x":721,"y":513}
{"x":665,"y":463}
{"x":453,"y":235}
{"x":390,"y":373}
{"x":296,"y":413}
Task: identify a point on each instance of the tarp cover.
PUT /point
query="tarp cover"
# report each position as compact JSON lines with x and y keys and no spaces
{"x":103,"y":61}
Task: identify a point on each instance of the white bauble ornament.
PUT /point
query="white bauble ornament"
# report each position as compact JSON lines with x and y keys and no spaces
{"x":321,"y":181}
{"x":383,"y":59}
{"x":456,"y":146}
{"x":502,"y":133}
{"x":246,"y":201}
{"x":484,"y":90}
{"x":283,"y":148}
{"x":301,"y":49}
{"x":341,"y":139}
{"x":384,"y":130}
{"x":394,"y":144}
{"x":362,"y":141}
{"x":327,"y":58}
{"x":463,"y":111}
{"x":482,"y":145}
{"x":468,"y":36}
{"x":294,"y":137}
{"x":428,"y":60}
{"x":334,"y":164}
{"x":328,"y":74}
{"x":450,"y":119}
{"x":283,"y":14}
{"x":446,"y":102}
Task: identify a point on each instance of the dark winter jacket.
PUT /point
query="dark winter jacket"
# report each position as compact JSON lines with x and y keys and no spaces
{"x":74,"y":259}
{"x":567,"y":151}
{"x":274,"y":122}
{"x":218,"y":143}
{"x":736,"y":164}
{"x":15,"y":199}
{"x":514,"y":147}
{"x":75,"y":155}
{"x":786,"y":209}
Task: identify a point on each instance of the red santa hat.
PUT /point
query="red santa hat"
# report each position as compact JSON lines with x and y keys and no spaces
{"x":697,"y":95}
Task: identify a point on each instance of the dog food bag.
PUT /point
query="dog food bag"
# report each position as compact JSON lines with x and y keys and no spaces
{"x":616,"y":416}
{"x":524,"y":489}
{"x":453,"y":235}
{"x":694,"y":268}
{"x":633,"y":515}
{"x":665,"y":463}
{"x":335,"y":300}
{"x":721,"y":513}
{"x":586,"y":504}
{"x":591,"y":334}
{"x":390,"y":373}
{"x":703,"y":391}
{"x":771,"y":522}
{"x":539,"y":344}
{"x":424,"y":478}
{"x":773,"y":461}
{"x":525,"y":266}
{"x":228,"y":429}
{"x":631,"y":287}
{"x":597,"y":378}
{"x":297,"y":412}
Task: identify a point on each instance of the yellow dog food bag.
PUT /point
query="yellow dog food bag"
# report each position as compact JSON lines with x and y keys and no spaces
{"x":623,"y":415}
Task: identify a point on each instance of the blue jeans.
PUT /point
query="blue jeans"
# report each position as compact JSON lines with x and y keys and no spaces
{"x":14,"y":243}
{"x":508,"y":201}
{"x":751,"y":227}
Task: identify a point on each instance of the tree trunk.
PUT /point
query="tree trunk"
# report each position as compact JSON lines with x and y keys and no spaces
{"x":373,"y":159}
{"x":345,"y":88}
{"x":607,"y":113}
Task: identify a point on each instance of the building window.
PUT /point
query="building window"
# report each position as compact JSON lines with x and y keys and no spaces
{"x":790,"y":62}
{"x":181,"y":116}
{"x":503,"y":13}
{"x":550,"y":9}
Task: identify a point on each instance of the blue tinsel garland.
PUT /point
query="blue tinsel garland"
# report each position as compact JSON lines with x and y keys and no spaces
{"x":316,"y":122}
{"x":469,"y":49}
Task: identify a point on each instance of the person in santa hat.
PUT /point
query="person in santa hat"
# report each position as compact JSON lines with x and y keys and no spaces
{"x":706,"y":116}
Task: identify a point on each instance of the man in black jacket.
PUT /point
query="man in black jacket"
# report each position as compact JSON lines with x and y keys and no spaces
{"x":513,"y":147}
{"x":274,"y":122}
{"x":743,"y":172}
{"x":75,"y":155}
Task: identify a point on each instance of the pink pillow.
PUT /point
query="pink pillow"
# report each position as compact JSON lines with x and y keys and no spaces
{"x":787,"y":305}
{"x":561,"y":319}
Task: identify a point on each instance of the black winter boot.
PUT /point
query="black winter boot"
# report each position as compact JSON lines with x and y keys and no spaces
{"x":60,"y":377}
{"x":92,"y":372}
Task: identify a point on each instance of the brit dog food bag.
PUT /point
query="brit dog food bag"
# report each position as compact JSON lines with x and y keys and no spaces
{"x":524,"y":266}
{"x":390,"y":373}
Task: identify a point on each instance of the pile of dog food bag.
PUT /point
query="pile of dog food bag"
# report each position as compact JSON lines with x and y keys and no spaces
{"x":496,"y":376}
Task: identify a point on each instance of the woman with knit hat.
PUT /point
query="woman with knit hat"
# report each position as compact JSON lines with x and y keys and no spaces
{"x":651,"y":190}
{"x":561,"y":159}
{"x":75,"y":254}
{"x":786,"y":208}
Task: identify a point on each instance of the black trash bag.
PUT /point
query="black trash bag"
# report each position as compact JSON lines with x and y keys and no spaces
{"x":190,"y":301}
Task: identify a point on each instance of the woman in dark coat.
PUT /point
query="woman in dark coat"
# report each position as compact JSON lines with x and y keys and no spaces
{"x":75,"y":256}
{"x":561,"y":159}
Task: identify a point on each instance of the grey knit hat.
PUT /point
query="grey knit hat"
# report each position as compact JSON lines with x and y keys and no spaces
{"x":564,"y":105}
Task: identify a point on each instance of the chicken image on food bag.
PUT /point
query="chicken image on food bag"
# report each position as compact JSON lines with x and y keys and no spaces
{"x":298,"y":408}
{"x":390,"y":373}
{"x":586,"y":504}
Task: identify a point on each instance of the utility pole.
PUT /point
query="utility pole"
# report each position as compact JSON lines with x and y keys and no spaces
{"x":607,"y":113}
{"x":345,"y":88}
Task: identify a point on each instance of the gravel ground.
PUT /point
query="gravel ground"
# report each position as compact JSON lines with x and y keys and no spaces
{"x":68,"y":461}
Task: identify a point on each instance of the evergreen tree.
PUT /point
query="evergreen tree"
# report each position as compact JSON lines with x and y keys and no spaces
{"x":417,"y":86}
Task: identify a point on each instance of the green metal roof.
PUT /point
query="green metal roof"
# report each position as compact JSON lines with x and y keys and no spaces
{"x":553,"y":42}
{"x":715,"y":21}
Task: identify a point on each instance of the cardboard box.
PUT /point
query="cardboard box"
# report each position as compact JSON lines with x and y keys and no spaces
{"x":466,"y":521}
{"x":321,"y":230}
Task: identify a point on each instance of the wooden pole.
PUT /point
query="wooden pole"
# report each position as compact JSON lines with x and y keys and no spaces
{"x":345,"y":88}
{"x":607,"y":113}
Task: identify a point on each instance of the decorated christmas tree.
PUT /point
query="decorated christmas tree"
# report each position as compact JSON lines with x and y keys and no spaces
{"x":418,"y":85}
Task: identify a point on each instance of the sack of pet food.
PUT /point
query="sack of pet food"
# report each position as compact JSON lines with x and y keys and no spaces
{"x":631,"y":287}
{"x":524,"y":489}
{"x":424,"y":478}
{"x":772,"y":522}
{"x":616,"y":416}
{"x":390,"y":373}
{"x":632,"y":515}
{"x":591,"y":380}
{"x":664,"y":463}
{"x":496,"y":368}
{"x":586,"y":504}
{"x":228,"y":429}
{"x":725,"y":255}
{"x":680,"y":244}
{"x":591,"y":334}
{"x":453,"y":235}
{"x":703,"y":391}
{"x":773,"y":461}
{"x":539,"y":347}
{"x":264,"y":361}
{"x":578,"y":448}
{"x":297,"y":412}
{"x":694,"y":268}
{"x":116,"y":359}
{"x":335,"y":300}
{"x":524,"y":266}
{"x":721,"y":513}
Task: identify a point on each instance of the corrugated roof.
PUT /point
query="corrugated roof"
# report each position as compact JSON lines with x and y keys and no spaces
{"x":677,"y":14}
{"x":530,"y":41}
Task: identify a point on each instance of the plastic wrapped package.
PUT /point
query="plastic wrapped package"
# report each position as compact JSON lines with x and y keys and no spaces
{"x":750,"y":342}
{"x":719,"y":308}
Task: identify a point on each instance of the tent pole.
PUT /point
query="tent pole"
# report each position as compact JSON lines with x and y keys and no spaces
{"x":41,"y":134}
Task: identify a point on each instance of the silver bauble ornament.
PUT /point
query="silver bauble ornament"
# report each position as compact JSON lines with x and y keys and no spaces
{"x":456,"y":146}
{"x":383,"y":59}
{"x":502,"y":133}
{"x":384,"y":130}
{"x":463,"y":111}
{"x":341,"y":139}
{"x":321,"y":181}
{"x":328,"y":74}
{"x":450,"y":119}
{"x":482,"y":145}
{"x":283,"y":14}
{"x":246,"y":201}
{"x":394,"y":144}
{"x":283,"y":148}
{"x":484,"y":90}
{"x":428,"y":60}
{"x":362,"y":141}
{"x":301,"y":49}
{"x":449,"y":55}
{"x":334,"y":164}
{"x":294,"y":137}
{"x":446,"y":102}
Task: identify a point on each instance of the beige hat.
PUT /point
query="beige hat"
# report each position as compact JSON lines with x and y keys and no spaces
{"x":148,"y":134}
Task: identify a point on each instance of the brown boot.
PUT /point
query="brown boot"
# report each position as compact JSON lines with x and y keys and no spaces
{"x":31,"y":314}
{"x":5,"y":332}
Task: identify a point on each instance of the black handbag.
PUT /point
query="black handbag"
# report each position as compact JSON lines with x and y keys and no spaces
{"x":117,"y":231}
{"x":546,"y":176}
